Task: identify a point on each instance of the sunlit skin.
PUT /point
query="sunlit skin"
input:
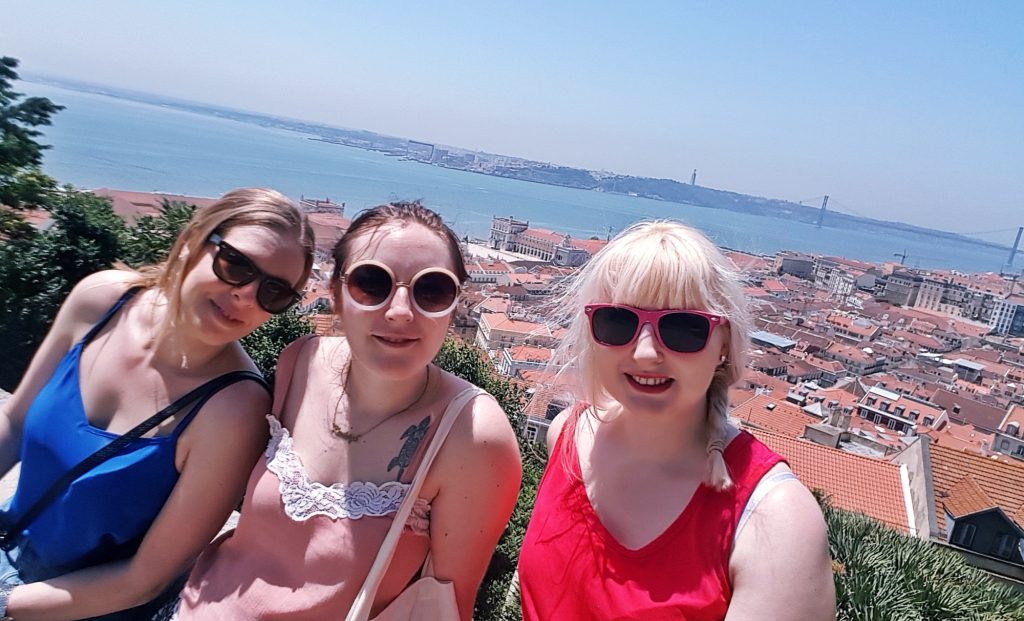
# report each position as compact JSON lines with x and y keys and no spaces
{"x":395,"y":341}
{"x":220,"y":313}
{"x":647,"y":379}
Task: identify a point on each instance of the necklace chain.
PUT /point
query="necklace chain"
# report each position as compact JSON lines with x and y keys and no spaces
{"x":350,"y":437}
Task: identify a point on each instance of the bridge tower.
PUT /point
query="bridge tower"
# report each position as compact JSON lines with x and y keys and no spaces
{"x":821,"y":214}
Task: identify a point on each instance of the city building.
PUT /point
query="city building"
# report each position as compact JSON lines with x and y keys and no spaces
{"x":900,"y":288}
{"x":505,"y":233}
{"x":497,"y":331}
{"x":1008,"y":316}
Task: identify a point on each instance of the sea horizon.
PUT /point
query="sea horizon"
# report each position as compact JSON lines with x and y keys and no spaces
{"x":149,"y":157}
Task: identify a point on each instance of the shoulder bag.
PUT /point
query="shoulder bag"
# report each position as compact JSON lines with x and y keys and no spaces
{"x":426,"y":599}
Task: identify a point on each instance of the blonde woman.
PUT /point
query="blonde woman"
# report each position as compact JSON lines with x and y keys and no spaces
{"x":123,"y":346}
{"x":652,"y":505}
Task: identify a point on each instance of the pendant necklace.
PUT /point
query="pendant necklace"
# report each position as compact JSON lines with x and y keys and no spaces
{"x":347,"y":435}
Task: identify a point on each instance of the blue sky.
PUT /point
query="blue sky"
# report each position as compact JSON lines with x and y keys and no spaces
{"x":911,"y":110}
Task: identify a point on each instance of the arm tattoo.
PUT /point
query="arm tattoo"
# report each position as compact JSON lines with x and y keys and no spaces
{"x":412,"y":436}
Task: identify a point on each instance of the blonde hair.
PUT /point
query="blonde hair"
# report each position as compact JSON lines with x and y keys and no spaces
{"x":241,"y":207}
{"x":657,"y":264}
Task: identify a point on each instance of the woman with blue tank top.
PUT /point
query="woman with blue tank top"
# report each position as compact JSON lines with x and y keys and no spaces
{"x":105,"y":538}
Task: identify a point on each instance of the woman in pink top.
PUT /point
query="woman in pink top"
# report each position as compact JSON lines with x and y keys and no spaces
{"x":652,"y":505}
{"x":351,"y":418}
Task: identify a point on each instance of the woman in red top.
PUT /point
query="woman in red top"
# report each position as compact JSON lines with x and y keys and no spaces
{"x":652,"y":505}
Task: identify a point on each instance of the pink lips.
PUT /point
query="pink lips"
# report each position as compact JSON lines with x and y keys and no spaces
{"x":394,"y":340}
{"x":223,"y":314}
{"x":649,"y":384}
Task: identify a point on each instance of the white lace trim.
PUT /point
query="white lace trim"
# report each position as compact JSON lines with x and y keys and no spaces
{"x":304,"y":498}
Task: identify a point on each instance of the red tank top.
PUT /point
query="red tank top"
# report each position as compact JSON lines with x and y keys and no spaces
{"x":572,"y":568}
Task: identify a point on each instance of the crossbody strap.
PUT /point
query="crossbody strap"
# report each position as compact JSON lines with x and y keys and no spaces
{"x":360,"y":610}
{"x":10,"y":535}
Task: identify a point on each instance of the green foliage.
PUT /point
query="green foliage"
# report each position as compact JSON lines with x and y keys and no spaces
{"x":498,"y":598}
{"x":20,"y":154}
{"x":468,"y":362}
{"x":27,"y":188}
{"x":149,"y":241}
{"x":265,"y":343}
{"x":881,"y":574}
{"x":38,"y":270}
{"x":13,"y":225}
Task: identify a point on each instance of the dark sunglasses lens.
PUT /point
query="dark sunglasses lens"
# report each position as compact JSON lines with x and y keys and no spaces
{"x":275,"y":296}
{"x":684,"y":332}
{"x":434,"y":292}
{"x":369,"y":285}
{"x":233,"y":267}
{"x":614,"y":326}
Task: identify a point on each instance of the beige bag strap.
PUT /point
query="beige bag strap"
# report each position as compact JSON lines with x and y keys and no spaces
{"x":360,"y":610}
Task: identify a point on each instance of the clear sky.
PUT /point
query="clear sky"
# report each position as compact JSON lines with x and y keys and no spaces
{"x":901,"y":110}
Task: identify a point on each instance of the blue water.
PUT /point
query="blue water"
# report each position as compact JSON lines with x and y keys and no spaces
{"x":100,"y":141}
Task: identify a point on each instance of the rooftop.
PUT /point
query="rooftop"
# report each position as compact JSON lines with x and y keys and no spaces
{"x":851,"y":482}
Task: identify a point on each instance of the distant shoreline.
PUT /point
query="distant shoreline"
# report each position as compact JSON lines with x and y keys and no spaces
{"x":397,"y":146}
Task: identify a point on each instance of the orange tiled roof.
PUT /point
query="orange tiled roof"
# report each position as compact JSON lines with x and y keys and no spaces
{"x":590,"y":246}
{"x":134,"y":204}
{"x":782,"y":417}
{"x":966,"y":498}
{"x":1001,"y":481}
{"x":529,"y":353}
{"x":852,"y":482}
{"x":543,"y":234}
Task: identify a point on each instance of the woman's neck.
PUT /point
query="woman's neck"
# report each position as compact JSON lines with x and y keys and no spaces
{"x":173,"y":346}
{"x":372,"y":395}
{"x":660,"y":436}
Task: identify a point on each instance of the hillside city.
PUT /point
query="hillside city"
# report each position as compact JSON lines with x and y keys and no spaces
{"x":896,"y":392}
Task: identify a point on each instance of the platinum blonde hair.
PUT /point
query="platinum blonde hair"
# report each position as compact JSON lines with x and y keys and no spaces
{"x":657,"y":264}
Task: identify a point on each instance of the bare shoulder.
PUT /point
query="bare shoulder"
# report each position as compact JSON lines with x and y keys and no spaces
{"x":232,"y":420}
{"x":556,"y":426}
{"x":303,"y":348}
{"x":780,"y":563}
{"x":95,"y":294}
{"x":483,"y":435}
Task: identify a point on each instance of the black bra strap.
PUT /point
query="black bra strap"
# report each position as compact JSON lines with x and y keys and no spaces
{"x":121,"y":301}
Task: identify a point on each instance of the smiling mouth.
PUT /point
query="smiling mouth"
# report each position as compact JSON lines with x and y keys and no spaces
{"x":650,"y":381}
{"x":395,"y":340}
{"x":224,"y":314}
{"x":646,"y":383}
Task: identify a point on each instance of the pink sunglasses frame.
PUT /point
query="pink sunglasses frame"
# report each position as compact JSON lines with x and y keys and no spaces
{"x":652,"y":317}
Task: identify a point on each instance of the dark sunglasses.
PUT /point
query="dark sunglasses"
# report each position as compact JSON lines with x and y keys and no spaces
{"x":234,"y":268}
{"x":370,"y":285}
{"x":682,"y":331}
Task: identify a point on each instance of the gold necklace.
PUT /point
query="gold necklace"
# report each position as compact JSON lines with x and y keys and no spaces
{"x":350,"y":437}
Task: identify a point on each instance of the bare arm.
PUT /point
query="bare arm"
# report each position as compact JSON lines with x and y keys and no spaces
{"x":83,"y":307}
{"x":555,"y":428}
{"x":223,"y":443}
{"x":780,"y":565}
{"x":480,"y":472}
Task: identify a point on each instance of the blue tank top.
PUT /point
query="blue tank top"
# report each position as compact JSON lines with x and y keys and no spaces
{"x":102,"y":515}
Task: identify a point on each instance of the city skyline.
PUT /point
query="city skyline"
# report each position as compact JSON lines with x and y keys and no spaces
{"x":907,"y":113}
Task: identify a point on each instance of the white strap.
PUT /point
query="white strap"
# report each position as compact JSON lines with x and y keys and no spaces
{"x":765,"y":485}
{"x":360,"y":610}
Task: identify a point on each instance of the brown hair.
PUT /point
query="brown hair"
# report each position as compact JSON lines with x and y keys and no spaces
{"x":241,"y":207}
{"x":402,"y":213}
